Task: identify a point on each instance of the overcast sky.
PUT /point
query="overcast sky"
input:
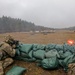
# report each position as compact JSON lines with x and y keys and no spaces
{"x":48,"y":13}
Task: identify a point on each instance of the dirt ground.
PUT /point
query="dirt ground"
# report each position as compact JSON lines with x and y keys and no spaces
{"x":40,"y":38}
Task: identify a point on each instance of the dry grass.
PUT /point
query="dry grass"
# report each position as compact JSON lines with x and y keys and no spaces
{"x":58,"y":38}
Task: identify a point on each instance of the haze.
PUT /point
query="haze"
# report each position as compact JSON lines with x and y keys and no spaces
{"x":48,"y":13}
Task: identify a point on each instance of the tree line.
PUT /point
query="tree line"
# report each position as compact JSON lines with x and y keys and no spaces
{"x":8,"y":24}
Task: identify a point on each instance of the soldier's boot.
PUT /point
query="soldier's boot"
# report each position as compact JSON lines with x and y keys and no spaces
{"x":1,"y":68}
{"x":71,"y":69}
{"x":7,"y":62}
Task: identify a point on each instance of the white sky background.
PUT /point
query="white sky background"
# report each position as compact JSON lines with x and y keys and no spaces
{"x":48,"y":13}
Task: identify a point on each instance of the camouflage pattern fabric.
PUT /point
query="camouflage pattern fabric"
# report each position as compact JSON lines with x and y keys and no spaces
{"x":9,"y":39}
{"x":6,"y":50}
{"x":71,"y":69}
{"x":1,"y":68}
{"x":5,"y":63}
{"x":1,"y":54}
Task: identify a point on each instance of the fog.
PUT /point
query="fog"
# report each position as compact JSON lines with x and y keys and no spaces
{"x":48,"y":13}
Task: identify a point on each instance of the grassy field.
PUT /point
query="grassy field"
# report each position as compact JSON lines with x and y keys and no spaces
{"x":40,"y":38}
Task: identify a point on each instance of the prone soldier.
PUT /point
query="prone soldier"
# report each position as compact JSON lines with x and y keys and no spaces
{"x":7,"y":52}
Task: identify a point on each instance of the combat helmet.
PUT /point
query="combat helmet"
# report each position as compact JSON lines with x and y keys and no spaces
{"x":9,"y":39}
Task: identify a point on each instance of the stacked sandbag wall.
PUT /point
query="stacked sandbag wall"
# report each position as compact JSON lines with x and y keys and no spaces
{"x":49,"y":56}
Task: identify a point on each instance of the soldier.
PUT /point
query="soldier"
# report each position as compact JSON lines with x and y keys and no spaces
{"x":71,"y":69}
{"x":7,"y":51}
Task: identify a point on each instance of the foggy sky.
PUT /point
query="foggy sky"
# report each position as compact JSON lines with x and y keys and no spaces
{"x":48,"y":13}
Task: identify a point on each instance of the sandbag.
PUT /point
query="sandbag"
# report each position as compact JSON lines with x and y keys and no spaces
{"x":59,"y":47}
{"x":30,"y":54}
{"x":17,"y":52}
{"x":69,"y":59}
{"x":52,"y":53}
{"x":16,"y":70}
{"x":66,"y":54}
{"x":26,"y":47}
{"x":50,"y":47}
{"x":39,"y":54}
{"x":49,"y":56}
{"x":35,"y":46}
{"x":61,"y":54}
{"x":72,"y":49}
{"x":50,"y":63}
{"x":64,"y":63}
{"x":25,"y":59}
{"x":67,"y":47}
{"x":23,"y":54}
{"x":38,"y":47}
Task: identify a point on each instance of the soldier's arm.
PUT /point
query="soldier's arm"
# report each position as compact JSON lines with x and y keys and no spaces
{"x":8,"y":49}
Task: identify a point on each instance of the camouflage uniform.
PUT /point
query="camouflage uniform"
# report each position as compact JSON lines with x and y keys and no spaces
{"x":71,"y":69}
{"x":6,"y":53}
